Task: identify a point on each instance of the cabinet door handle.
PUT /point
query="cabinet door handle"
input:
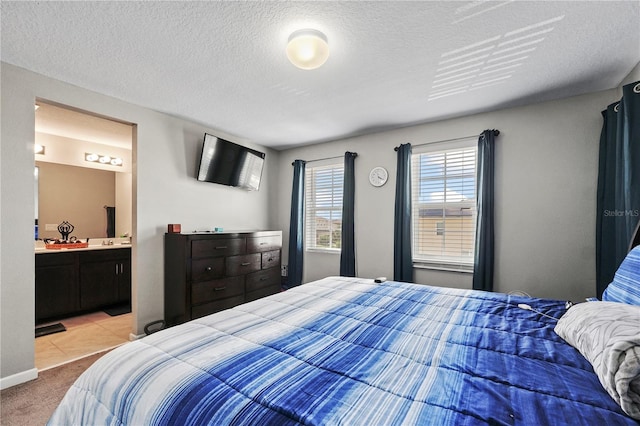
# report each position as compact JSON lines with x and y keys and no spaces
{"x":245,"y":264}
{"x":121,"y":267}
{"x":219,"y":288}
{"x":208,"y":269}
{"x":221,"y":248}
{"x":116,"y":269}
{"x":263,"y":278}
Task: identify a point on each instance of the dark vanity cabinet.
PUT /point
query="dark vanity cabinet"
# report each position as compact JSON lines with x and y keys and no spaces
{"x":56,"y":285}
{"x":71,"y":282}
{"x":105,"y":278}
{"x":206,"y":273}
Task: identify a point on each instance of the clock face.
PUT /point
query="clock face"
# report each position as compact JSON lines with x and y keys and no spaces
{"x":378,"y":176}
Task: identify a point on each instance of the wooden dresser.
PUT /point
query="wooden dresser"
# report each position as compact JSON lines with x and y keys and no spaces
{"x":208,"y":272}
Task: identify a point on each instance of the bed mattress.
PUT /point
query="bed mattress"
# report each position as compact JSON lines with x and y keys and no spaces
{"x":354,"y":352}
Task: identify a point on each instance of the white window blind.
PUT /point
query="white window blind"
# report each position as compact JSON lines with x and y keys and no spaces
{"x":444,"y":205}
{"x":323,"y":207}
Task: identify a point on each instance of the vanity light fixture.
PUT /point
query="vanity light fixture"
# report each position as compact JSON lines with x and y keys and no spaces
{"x":102,"y":159}
{"x":307,"y":49}
{"x":38,"y":149}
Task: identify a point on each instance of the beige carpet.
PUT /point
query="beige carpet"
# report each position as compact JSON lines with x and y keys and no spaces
{"x":32,"y":403}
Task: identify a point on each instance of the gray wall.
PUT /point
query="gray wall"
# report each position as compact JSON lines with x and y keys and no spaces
{"x":165,"y":191}
{"x":546,"y":176}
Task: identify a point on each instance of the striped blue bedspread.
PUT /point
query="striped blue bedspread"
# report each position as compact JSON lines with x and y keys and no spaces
{"x":347,"y":351}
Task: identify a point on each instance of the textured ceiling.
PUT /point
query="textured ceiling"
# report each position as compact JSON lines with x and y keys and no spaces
{"x":392,"y":64}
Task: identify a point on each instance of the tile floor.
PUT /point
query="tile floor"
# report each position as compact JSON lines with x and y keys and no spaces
{"x":85,"y":335}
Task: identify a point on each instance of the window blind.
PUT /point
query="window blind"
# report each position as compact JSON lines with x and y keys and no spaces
{"x":323,"y":206}
{"x":444,"y":205}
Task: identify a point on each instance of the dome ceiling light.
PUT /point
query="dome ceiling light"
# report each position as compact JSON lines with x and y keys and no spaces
{"x":307,"y":49}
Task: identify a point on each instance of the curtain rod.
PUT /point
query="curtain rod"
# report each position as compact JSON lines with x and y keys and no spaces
{"x":353,"y":154}
{"x":495,"y":133}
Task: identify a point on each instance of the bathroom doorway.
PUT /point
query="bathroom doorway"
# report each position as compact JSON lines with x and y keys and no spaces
{"x":84,"y":178}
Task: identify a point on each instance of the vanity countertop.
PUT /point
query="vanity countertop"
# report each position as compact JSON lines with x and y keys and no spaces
{"x":97,"y":244}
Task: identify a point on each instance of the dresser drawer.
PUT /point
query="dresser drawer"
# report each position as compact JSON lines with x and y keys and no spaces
{"x":240,"y":265}
{"x":207,"y":269}
{"x":264,"y":278}
{"x":208,"y":291}
{"x":270,"y":259}
{"x":258,"y":244}
{"x":218,"y":305}
{"x":218,"y":247}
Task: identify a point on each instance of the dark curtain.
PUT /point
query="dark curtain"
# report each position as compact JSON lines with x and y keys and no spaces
{"x":296,"y":226}
{"x":111,"y":221}
{"x":402,"y":256}
{"x":484,"y":244}
{"x":618,"y":198}
{"x":348,"y":246}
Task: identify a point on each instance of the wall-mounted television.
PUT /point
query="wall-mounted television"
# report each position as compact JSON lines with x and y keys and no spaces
{"x":228,"y":163}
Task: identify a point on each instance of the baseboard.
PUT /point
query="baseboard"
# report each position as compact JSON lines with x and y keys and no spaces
{"x":133,"y":337}
{"x":16,"y":379}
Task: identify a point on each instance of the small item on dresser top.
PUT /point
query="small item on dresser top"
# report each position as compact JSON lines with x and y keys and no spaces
{"x":218,"y":229}
{"x":174,"y":228}
{"x":380,"y":279}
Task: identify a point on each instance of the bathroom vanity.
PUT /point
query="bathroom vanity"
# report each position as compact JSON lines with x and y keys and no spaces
{"x":71,"y":281}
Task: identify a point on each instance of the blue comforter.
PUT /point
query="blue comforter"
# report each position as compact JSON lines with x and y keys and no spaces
{"x":349,"y":351}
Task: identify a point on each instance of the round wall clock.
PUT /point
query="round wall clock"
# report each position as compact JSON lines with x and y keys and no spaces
{"x":378,"y":176}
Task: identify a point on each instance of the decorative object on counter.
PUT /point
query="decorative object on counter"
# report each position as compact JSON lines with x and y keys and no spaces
{"x":65,"y":228}
{"x":174,"y":228}
{"x":218,"y":229}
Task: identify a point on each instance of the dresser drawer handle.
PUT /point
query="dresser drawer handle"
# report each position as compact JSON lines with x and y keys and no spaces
{"x":208,"y":269}
{"x":219,"y":288}
{"x":263,"y":278}
{"x":263,"y":244}
{"x":245,"y":264}
{"x":269,"y":260}
{"x":221,"y":248}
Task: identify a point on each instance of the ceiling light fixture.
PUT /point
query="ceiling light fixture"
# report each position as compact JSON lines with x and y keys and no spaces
{"x":307,"y":49}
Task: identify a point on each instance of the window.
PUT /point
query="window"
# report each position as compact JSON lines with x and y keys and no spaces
{"x":323,"y":207}
{"x":444,"y":205}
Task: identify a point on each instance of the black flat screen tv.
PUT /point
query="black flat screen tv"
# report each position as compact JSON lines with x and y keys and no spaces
{"x":228,"y":163}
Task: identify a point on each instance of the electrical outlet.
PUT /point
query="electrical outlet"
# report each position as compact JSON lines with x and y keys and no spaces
{"x":284,"y":271}
{"x":51,"y":227}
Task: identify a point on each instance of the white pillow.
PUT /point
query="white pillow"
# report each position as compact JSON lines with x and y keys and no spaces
{"x":608,"y":335}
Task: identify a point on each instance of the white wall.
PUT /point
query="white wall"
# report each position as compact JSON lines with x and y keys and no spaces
{"x":546,"y":178}
{"x":165,"y":191}
{"x":633,"y":76}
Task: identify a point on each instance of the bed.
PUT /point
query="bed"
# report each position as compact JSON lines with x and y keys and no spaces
{"x":355,"y":352}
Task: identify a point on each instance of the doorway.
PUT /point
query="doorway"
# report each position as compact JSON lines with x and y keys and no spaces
{"x":84,"y":176}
